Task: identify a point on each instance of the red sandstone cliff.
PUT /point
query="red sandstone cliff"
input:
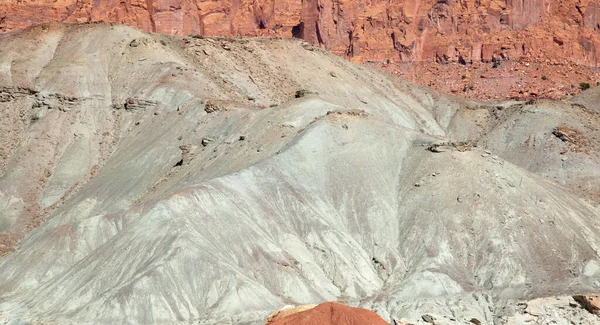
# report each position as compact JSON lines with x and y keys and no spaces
{"x":401,"y":30}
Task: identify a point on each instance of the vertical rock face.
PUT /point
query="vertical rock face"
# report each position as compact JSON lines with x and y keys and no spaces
{"x":406,"y":30}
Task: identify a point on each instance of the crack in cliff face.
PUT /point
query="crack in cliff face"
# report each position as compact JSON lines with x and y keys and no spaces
{"x":150,"y":9}
{"x":350,"y":48}
{"x":318,"y":32}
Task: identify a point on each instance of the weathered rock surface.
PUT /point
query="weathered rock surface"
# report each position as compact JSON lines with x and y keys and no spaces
{"x":124,"y":201}
{"x":407,"y":30}
{"x":524,"y":79}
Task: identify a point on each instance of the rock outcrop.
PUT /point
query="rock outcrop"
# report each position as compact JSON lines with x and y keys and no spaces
{"x":407,"y":30}
{"x":590,"y":302}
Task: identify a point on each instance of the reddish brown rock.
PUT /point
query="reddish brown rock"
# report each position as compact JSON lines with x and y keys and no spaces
{"x":505,"y":80}
{"x":405,"y":30}
{"x":329,"y":313}
{"x":589,"y":302}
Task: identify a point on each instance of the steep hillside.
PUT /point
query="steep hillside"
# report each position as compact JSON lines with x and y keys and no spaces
{"x":147,"y":179}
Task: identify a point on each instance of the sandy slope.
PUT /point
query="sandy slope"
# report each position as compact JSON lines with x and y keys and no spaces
{"x":214,"y":181}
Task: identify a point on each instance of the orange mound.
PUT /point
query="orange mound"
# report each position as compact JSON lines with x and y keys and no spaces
{"x":331,"y":313}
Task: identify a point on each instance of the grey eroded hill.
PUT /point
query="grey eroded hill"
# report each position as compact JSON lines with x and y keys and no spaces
{"x":147,"y":179}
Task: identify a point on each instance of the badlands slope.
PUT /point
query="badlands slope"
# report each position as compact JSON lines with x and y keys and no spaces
{"x":148,"y":179}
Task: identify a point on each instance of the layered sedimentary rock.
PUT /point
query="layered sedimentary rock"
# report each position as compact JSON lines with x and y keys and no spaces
{"x":406,"y":30}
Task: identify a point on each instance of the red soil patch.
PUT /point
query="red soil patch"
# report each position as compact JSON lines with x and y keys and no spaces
{"x":331,"y":313}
